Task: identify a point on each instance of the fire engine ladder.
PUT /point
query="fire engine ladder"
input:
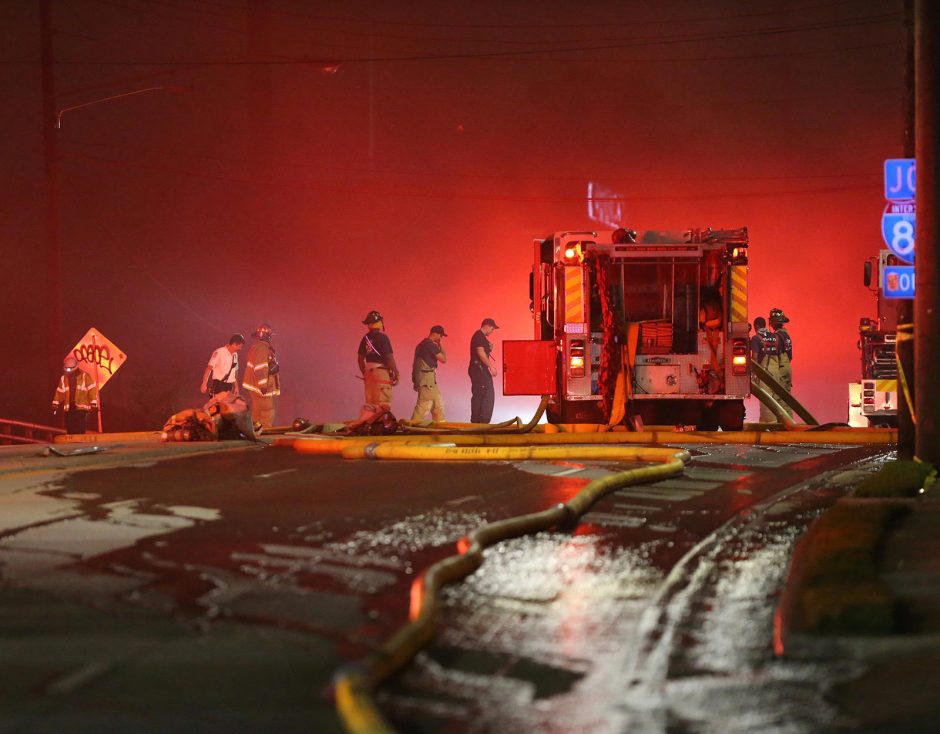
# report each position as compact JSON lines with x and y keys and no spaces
{"x":17,"y":432}
{"x":776,"y":397}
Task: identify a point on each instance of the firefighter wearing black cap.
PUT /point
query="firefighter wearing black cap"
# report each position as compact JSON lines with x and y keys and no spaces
{"x":765,"y":350}
{"x":482,"y":370}
{"x":378,"y":368}
{"x":76,"y":396}
{"x":785,"y":372}
{"x":262,"y":376}
{"x":428,"y":354}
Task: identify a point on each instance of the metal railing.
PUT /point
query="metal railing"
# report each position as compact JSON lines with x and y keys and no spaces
{"x":16,"y":432}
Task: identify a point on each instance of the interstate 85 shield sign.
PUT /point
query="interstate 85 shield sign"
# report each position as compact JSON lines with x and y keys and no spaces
{"x":897,"y":228}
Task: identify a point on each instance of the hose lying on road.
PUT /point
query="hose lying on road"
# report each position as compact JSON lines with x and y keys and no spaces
{"x":355,"y":683}
{"x":842,"y":436}
{"x":511,"y":426}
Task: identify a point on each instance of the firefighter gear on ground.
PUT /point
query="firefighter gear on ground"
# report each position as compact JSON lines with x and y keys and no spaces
{"x":190,"y":425}
{"x":231,"y":416}
{"x":262,"y":378}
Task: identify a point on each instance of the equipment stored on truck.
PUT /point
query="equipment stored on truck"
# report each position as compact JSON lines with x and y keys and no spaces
{"x":637,"y":328}
{"x":874,"y":399}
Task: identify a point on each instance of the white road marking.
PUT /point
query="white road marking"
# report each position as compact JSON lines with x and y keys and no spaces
{"x":273,"y":473}
{"x":462,"y":500}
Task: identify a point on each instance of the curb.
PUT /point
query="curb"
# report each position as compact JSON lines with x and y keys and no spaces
{"x":791,"y":639}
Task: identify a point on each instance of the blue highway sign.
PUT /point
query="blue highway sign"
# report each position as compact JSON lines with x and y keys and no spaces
{"x":898,"y":281}
{"x":897,"y":229}
{"x":900,"y":179}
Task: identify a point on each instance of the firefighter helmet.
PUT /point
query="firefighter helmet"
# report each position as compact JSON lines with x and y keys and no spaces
{"x":777,"y":315}
{"x":373,"y":317}
{"x":70,"y":364}
{"x":264,"y":332}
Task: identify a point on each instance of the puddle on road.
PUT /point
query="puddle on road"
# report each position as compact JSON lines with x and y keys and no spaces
{"x":49,"y":538}
{"x":413,"y":534}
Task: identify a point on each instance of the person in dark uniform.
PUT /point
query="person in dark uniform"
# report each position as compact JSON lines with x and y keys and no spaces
{"x":757,"y":345}
{"x":482,"y":370}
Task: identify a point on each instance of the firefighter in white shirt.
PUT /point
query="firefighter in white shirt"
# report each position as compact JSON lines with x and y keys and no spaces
{"x":221,"y":374}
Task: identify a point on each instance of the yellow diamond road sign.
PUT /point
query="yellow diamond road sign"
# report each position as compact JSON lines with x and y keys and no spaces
{"x":98,"y":356}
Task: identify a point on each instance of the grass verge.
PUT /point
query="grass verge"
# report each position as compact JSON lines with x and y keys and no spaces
{"x":839,"y":590}
{"x":897,"y":479}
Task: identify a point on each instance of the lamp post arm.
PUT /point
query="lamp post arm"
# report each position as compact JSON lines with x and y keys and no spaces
{"x":58,"y":116}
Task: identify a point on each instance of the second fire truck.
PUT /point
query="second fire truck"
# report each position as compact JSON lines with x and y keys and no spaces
{"x":874,"y":399}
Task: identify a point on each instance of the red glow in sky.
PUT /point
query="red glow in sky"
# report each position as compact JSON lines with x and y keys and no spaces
{"x":330,"y":159}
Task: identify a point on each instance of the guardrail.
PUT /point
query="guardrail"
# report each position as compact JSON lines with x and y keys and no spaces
{"x":15,"y":432}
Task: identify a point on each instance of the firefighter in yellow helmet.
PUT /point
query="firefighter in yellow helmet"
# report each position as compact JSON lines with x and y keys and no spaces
{"x":262,"y":376}
{"x":76,"y":396}
{"x":785,"y":371}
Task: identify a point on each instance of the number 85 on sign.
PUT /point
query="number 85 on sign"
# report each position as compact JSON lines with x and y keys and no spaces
{"x":897,"y":228}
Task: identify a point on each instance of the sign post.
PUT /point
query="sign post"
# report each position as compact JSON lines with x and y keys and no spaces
{"x":99,"y":358}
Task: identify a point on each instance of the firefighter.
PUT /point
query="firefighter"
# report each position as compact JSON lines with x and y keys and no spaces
{"x":428,"y":354}
{"x":262,"y":376}
{"x":482,"y":370}
{"x":76,"y":396}
{"x":777,"y":319}
{"x":378,"y":368}
{"x":768,"y":358}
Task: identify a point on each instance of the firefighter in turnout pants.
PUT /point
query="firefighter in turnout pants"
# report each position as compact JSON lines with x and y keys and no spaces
{"x":378,"y":368}
{"x":777,"y":319}
{"x":76,"y":396}
{"x":768,"y":357}
{"x":424,"y":376}
{"x":262,"y":376}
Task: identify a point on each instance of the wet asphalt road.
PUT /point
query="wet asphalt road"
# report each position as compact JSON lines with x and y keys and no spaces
{"x":220,"y":592}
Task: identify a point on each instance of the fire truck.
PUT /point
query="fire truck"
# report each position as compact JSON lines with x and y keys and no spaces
{"x":637,"y":328}
{"x":874,"y":399}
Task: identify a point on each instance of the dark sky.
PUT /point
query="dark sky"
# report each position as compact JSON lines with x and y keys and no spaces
{"x":310,"y":161}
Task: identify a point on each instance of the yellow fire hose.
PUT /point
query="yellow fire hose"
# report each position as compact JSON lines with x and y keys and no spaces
{"x":778,"y":394}
{"x":769,"y":398}
{"x":355,"y":683}
{"x":511,"y":426}
{"x":841,"y":436}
